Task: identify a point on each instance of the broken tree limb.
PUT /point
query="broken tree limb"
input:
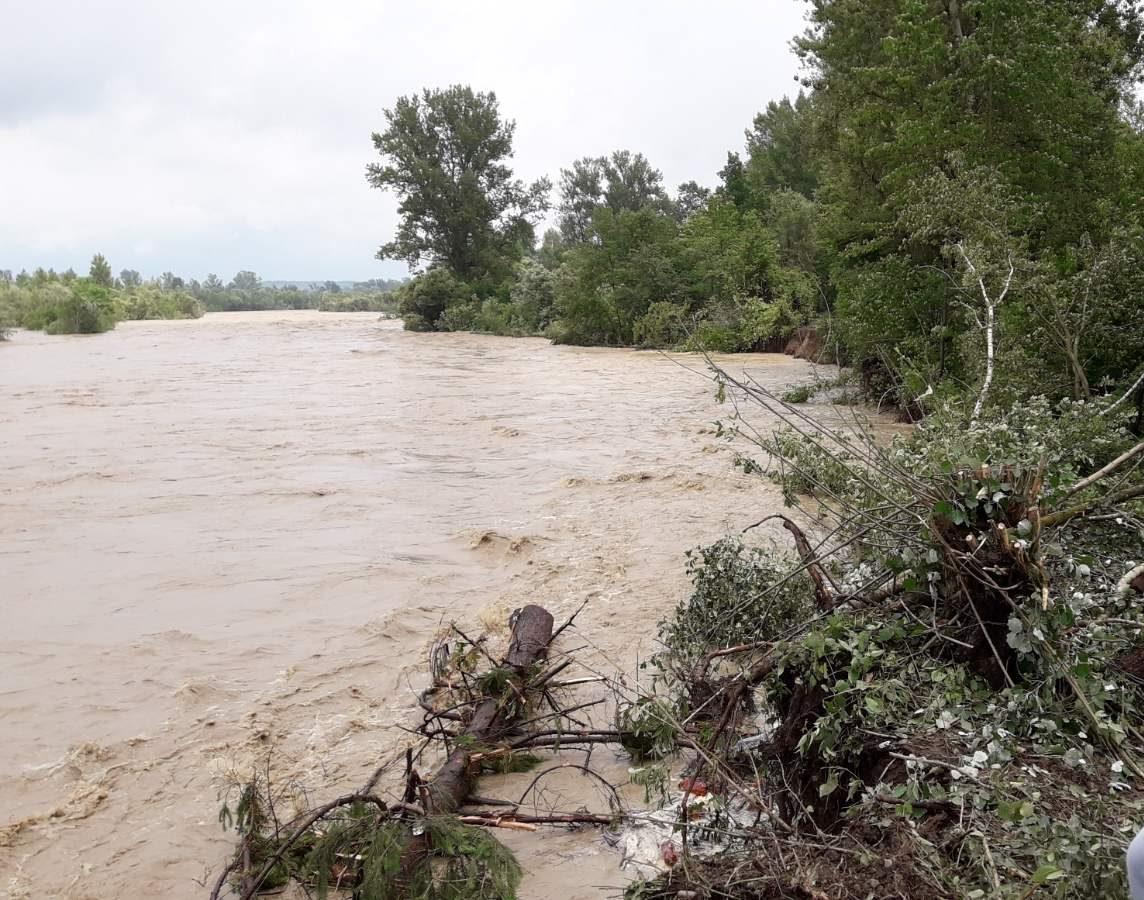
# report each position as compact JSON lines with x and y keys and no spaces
{"x":824,"y":587}
{"x":1067,"y":515}
{"x":487,"y":815}
{"x":446,"y":791}
{"x":453,"y":782}
{"x":498,"y":822}
{"x":572,"y":618}
{"x":1104,"y":472}
{"x":1136,"y":385}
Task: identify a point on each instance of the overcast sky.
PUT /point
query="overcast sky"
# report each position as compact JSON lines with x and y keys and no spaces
{"x":218,"y":136}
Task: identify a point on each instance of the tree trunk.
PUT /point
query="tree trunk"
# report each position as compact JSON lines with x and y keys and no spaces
{"x":954,"y":9}
{"x":453,"y":782}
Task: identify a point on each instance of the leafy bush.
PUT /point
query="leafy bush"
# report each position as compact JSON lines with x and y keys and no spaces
{"x":458,"y":317}
{"x":585,"y":317}
{"x":387,"y":302}
{"x":739,"y":594}
{"x":973,"y":699}
{"x":87,"y":309}
{"x":649,"y":728}
{"x":424,"y":299}
{"x":806,"y":467}
{"x":1069,"y":437}
{"x":152,"y":303}
{"x":533,"y":297}
{"x":496,"y":317}
{"x":743,"y":325}
{"x":713,"y":337}
{"x":663,"y":325}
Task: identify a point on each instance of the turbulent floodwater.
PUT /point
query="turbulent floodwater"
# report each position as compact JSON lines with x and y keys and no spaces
{"x":237,"y":536}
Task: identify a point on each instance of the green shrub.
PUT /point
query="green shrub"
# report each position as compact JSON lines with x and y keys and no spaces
{"x":152,"y":303}
{"x":458,"y":317}
{"x":585,"y":317}
{"x":386,"y":302}
{"x":762,"y":322}
{"x":648,"y":727}
{"x":664,"y":324}
{"x":711,"y":337}
{"x":740,"y":594}
{"x":424,"y":300}
{"x":1069,"y":437}
{"x":495,"y":317}
{"x":87,"y":309}
{"x":533,"y":297}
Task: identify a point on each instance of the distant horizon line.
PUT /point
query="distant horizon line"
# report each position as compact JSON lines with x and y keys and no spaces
{"x":79,"y":274}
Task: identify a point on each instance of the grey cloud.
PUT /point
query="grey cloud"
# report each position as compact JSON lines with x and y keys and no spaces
{"x":235,"y":135}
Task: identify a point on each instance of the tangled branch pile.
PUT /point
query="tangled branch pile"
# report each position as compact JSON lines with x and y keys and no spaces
{"x":941,"y":694}
{"x":432,"y":842}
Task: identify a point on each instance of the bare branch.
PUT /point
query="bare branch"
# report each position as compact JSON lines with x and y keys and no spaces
{"x":1106,"y":470}
{"x":1128,"y":393}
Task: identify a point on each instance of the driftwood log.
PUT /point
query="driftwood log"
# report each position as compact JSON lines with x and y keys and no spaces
{"x":451,"y":786}
{"x":453,"y":782}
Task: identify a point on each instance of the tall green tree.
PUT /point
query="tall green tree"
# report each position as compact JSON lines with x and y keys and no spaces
{"x":445,"y":154}
{"x":245,"y":281}
{"x":607,"y":283}
{"x":100,"y":271}
{"x":780,"y":148}
{"x":581,"y":191}
{"x":622,"y":181}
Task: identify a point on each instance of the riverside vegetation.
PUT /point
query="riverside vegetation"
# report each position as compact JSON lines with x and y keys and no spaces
{"x":65,"y":303}
{"x":936,"y":146}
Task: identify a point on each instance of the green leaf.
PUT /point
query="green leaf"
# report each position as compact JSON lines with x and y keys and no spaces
{"x":1047,"y":872}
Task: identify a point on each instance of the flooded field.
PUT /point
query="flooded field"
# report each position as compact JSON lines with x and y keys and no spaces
{"x":237,"y":536}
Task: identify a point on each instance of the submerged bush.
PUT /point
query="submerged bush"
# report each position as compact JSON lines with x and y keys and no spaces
{"x":152,"y":303}
{"x":87,"y":309}
{"x":359,"y":302}
{"x":969,"y":700}
{"x":663,"y":325}
{"x":425,"y":299}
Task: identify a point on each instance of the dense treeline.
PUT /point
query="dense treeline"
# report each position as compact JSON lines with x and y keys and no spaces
{"x":65,"y":303}
{"x":955,"y":198}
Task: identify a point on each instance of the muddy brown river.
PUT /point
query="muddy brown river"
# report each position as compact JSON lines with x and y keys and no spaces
{"x":233,"y":538}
